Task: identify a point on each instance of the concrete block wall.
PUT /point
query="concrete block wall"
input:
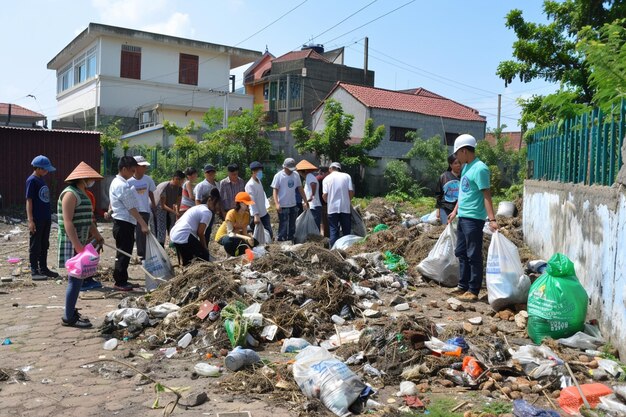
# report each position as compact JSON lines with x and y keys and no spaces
{"x":588,"y":224}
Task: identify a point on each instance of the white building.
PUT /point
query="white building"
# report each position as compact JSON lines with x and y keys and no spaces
{"x":144,"y":78}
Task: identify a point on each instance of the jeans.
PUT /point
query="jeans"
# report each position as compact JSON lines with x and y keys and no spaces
{"x":140,"y":237}
{"x":266,"y":221}
{"x":124,"y":235}
{"x":71,"y":296}
{"x":192,"y":249}
{"x":287,"y":223}
{"x":469,"y":250}
{"x":443,"y":215}
{"x":317,"y":215}
{"x":335,"y":220}
{"x":38,"y":246}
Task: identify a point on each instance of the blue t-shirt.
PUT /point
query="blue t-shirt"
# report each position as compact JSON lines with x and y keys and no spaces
{"x":39,"y":193}
{"x":474,"y":179}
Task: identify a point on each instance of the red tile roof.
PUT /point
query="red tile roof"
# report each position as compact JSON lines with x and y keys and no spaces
{"x":420,"y":101}
{"x":19,"y":111}
{"x":307,"y":53}
{"x":514,"y":143}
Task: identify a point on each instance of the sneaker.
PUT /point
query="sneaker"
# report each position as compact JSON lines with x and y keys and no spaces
{"x":133,"y":285}
{"x":457,"y":291}
{"x":38,"y":276}
{"x":123,"y":287}
{"x":48,"y":273}
{"x":90,"y":284}
{"x":468,"y":296}
{"x":80,"y":317}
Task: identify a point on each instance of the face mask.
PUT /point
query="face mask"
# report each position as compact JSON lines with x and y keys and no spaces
{"x":89,"y":184}
{"x":259,"y":175}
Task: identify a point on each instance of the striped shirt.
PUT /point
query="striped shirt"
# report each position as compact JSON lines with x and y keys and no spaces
{"x":228,"y":191}
{"x":82,"y":220}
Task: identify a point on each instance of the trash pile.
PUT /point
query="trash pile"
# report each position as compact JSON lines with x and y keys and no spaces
{"x":340,"y":328}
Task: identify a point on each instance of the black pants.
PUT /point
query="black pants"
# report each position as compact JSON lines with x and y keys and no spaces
{"x":140,"y":237}
{"x":236,"y":246}
{"x":192,"y":249}
{"x":124,"y":235}
{"x":38,"y":247}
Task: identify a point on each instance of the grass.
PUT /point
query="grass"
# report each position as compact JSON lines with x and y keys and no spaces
{"x":497,"y":407}
{"x":439,"y":407}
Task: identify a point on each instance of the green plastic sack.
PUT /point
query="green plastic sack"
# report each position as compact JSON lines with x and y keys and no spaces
{"x":557,"y":302}
{"x":394,"y":263}
{"x":380,"y":227}
{"x":235,"y":324}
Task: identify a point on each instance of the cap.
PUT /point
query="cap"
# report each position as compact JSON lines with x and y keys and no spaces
{"x":256,"y":165}
{"x":244,"y":198}
{"x":43,"y":162}
{"x":141,"y":161}
{"x":233,"y":167}
{"x":335,"y":165}
{"x":209,"y":168}
{"x":464,"y":140}
{"x":83,"y":172}
{"x":290,"y":164}
{"x":305,"y":165}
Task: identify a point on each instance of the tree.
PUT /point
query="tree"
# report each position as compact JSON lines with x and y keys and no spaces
{"x":433,"y":153}
{"x":400,"y":181}
{"x":110,"y":135}
{"x":548,"y":51}
{"x":332,"y":144}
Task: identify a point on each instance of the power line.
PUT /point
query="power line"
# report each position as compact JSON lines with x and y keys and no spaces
{"x":270,"y":24}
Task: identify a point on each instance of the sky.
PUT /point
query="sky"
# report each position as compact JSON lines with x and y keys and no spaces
{"x":450,"y":47}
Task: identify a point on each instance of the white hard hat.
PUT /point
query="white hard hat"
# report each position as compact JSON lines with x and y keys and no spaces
{"x":463,"y":141}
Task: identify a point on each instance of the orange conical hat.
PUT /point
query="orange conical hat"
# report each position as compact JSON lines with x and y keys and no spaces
{"x":305,"y":165}
{"x":82,"y":172}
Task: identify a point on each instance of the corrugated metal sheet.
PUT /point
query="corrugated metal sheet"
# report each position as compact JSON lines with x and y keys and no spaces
{"x":65,"y":148}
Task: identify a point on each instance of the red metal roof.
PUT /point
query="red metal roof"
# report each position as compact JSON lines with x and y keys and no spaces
{"x":515,"y":142}
{"x":419,"y":101}
{"x":307,"y":53}
{"x":17,"y":110}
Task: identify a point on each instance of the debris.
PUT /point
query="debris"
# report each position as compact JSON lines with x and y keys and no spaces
{"x":570,"y":399}
{"x":6,"y":342}
{"x":442,"y":265}
{"x":294,"y":344}
{"x":523,"y":409}
{"x":195,"y":399}
{"x":521,"y":319}
{"x":476,"y":320}
{"x":110,"y":344}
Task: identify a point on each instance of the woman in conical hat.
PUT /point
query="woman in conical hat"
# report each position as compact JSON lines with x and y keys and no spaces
{"x":76,"y":228}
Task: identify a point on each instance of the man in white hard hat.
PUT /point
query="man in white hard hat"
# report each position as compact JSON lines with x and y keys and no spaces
{"x":473,"y":206}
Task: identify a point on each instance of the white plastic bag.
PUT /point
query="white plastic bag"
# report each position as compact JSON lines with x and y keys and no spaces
{"x":430,"y":218}
{"x":506,"y":282}
{"x":441,"y":264}
{"x":506,"y":209}
{"x":320,"y":375}
{"x":261,"y":234}
{"x":157,"y":263}
{"x":358,"y":227}
{"x":305,"y":226}
{"x":346,"y":241}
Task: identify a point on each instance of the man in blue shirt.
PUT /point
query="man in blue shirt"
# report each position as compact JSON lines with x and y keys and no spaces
{"x":39,"y":218}
{"x":473,"y":206}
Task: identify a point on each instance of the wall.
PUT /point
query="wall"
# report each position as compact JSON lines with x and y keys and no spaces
{"x":588,"y":224}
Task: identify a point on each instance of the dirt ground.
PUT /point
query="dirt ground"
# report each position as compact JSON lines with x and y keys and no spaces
{"x":53,"y":370}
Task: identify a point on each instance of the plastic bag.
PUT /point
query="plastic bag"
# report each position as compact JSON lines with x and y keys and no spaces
{"x":557,"y":302}
{"x":506,"y":282}
{"x":394,"y":263}
{"x":346,"y":241}
{"x":537,"y":361}
{"x":84,"y":264}
{"x":506,"y":209}
{"x":430,"y":218}
{"x":261,"y":235}
{"x":320,"y":375}
{"x":157,"y":263}
{"x":305,"y":226}
{"x":582,"y":340}
{"x":358,"y":226}
{"x":523,"y":409}
{"x":441,"y":264}
{"x":127,"y":317}
{"x":235,"y":324}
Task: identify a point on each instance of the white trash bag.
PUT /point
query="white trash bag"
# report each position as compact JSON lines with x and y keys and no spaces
{"x":157,"y":263}
{"x":358,"y":226}
{"x":430,"y":218}
{"x":320,"y":375}
{"x":506,"y":282}
{"x":346,"y":241}
{"x":441,"y":264}
{"x":305,"y":226}
{"x":261,"y":234}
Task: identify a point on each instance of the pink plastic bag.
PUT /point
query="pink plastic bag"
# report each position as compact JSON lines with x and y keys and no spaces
{"x":85,"y":264}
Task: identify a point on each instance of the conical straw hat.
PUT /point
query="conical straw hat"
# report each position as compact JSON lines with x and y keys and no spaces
{"x":305,"y":165}
{"x":82,"y":172}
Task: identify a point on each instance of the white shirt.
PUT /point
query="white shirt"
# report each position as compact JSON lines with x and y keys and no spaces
{"x":143,"y":187}
{"x":310,"y":178}
{"x":286,"y":186}
{"x":337,"y":186}
{"x":189,"y":223}
{"x":256,"y":191}
{"x":122,"y":198}
{"x":202,"y":190}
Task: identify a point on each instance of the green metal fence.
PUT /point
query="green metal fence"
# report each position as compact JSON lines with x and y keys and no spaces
{"x":585,"y":149}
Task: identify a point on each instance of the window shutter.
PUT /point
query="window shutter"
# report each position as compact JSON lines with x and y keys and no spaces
{"x":130,"y":64}
{"x":188,"y":69}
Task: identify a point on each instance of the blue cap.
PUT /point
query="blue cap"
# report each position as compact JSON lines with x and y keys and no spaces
{"x":256,"y":165}
{"x":43,"y":163}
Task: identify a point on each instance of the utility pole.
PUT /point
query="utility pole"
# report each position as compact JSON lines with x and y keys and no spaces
{"x":499,"y":110}
{"x":365,"y":57}
{"x":288,"y":105}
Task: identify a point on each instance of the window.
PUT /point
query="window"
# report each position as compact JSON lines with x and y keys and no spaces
{"x":64,"y":79}
{"x":398,"y":134}
{"x":266,"y":91}
{"x":81,"y":69}
{"x":130,"y":63}
{"x":450,"y":138}
{"x":146,"y":119}
{"x":188,"y":69}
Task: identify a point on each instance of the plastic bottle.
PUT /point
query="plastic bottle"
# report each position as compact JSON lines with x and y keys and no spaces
{"x":293,"y":344}
{"x":205,"y":369}
{"x":184,"y":341}
{"x":337,"y":319}
{"x":238,"y":358}
{"x":110,"y":344}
